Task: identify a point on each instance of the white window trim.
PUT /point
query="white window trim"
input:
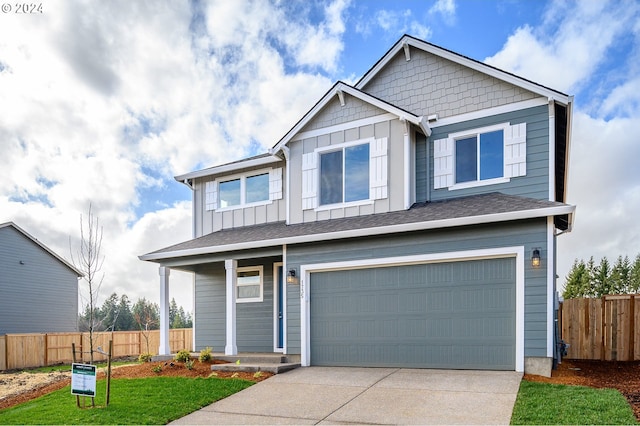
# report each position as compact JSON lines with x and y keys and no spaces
{"x":243,"y":193}
{"x":341,"y":147}
{"x":260,"y":270}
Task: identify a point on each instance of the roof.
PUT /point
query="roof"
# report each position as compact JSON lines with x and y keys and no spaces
{"x":257,"y":160}
{"x":45,"y":248}
{"x":407,"y":40}
{"x":471,"y":210}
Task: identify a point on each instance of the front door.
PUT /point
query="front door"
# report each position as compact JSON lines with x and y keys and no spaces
{"x":279,"y":310}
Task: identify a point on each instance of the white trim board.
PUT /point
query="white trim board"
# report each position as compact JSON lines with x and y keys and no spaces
{"x":457,"y":256}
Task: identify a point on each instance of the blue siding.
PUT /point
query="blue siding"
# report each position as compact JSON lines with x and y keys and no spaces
{"x":530,"y":234}
{"x":38,"y":296}
{"x":254,"y":321}
{"x":535,"y":184}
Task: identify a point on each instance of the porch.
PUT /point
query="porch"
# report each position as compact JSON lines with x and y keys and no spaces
{"x":274,"y":363}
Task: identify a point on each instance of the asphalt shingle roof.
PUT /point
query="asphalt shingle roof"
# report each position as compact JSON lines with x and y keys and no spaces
{"x":463,"y":207}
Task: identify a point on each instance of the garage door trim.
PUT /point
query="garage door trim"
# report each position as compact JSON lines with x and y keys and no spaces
{"x":456,"y":256}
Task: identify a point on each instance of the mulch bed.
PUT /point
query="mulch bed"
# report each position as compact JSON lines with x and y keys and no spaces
{"x":168,"y":369}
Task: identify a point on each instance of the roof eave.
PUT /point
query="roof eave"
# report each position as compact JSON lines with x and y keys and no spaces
{"x":353,"y":233}
{"x":226,"y":168}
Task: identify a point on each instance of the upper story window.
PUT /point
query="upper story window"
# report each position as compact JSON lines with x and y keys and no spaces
{"x":480,"y":157}
{"x":253,"y":188}
{"x":347,"y":174}
{"x":344,"y":175}
{"x":485,"y":156}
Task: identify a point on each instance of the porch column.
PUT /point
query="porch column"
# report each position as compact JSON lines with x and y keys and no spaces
{"x":231,"y":267}
{"x":164,"y":311}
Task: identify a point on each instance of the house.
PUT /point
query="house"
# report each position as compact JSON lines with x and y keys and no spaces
{"x":409,"y":220}
{"x":38,"y":288}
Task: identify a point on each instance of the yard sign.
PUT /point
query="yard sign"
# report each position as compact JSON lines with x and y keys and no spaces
{"x":83,"y":379}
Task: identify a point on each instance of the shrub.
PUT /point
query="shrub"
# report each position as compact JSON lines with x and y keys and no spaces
{"x":157,"y":369}
{"x":183,"y":355}
{"x":146,"y":357}
{"x":188,"y":364}
{"x":205,"y":354}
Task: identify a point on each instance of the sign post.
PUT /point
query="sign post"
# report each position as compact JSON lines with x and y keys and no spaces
{"x":83,"y":380}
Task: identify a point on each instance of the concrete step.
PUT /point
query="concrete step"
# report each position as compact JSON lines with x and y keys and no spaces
{"x":259,"y":358}
{"x":274,"y":368}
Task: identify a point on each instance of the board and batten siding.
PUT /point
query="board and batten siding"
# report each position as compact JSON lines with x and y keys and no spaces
{"x":208,"y":221}
{"x":393,"y":130}
{"x":254,"y":320}
{"x":534,"y":185}
{"x":527,"y":233}
{"x":38,"y":296}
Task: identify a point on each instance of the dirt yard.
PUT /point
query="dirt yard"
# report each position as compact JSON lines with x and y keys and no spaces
{"x":624,"y":376}
{"x":18,"y":387}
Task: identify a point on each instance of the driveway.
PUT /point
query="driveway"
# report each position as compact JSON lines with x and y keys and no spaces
{"x":330,"y":395}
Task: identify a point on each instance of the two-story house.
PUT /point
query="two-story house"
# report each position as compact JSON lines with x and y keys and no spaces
{"x":409,"y":220}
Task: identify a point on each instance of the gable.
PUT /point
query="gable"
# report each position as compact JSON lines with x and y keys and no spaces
{"x":334,"y":113}
{"x":428,"y":84}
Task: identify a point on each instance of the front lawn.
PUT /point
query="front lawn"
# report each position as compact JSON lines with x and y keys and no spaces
{"x":151,"y":400}
{"x":546,"y":404}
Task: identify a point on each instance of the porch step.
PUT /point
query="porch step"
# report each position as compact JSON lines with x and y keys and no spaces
{"x":252,"y":368}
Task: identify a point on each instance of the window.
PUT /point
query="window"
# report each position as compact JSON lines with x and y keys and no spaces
{"x":480,"y":157}
{"x":244,"y":190}
{"x":344,"y":175}
{"x":249,"y":284}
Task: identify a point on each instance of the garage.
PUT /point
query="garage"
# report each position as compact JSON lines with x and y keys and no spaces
{"x":458,"y":314}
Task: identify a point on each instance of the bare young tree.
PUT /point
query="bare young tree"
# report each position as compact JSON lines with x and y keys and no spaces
{"x":89,"y":261}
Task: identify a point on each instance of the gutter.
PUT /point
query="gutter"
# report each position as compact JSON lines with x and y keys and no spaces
{"x":361,"y":232}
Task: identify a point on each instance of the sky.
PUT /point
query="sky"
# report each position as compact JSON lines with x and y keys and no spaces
{"x":102,"y":103}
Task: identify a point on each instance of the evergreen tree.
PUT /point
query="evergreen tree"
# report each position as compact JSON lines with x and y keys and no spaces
{"x":109,"y":312}
{"x":634,"y":276}
{"x":577,"y":281}
{"x":602,"y":282}
{"x":621,"y":276}
{"x":174,"y":318}
{"x":125,"y":317}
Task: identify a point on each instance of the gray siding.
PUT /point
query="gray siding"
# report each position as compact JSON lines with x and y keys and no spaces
{"x":530,"y":234}
{"x":536,"y":182}
{"x":393,"y":130}
{"x":207,"y":222}
{"x":333,"y":113}
{"x":254,"y":321}
{"x":39,"y":296}
{"x":428,"y":84}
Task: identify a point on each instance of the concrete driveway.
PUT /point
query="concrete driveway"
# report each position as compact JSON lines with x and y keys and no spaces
{"x":334,"y":395}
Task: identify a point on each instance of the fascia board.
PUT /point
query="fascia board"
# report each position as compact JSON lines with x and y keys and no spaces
{"x":45,"y":248}
{"x":362,"y":232}
{"x":229,"y":168}
{"x":464,"y":61}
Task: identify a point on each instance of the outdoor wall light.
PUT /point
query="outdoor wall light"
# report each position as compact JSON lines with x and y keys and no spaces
{"x":535,"y":258}
{"x":292,"y":277}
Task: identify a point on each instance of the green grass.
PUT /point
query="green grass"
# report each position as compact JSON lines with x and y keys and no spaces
{"x":545,"y":404}
{"x":152,"y":400}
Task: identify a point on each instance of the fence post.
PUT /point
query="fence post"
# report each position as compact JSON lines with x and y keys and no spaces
{"x":603,"y":325}
{"x":632,"y":323}
{"x":46,"y":349}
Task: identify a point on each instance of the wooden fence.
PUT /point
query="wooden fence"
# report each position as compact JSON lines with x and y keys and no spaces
{"x":602,"y":329}
{"x":38,"y":350}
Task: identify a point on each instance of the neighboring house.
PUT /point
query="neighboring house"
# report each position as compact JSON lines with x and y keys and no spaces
{"x":409,"y":220}
{"x":38,"y":288}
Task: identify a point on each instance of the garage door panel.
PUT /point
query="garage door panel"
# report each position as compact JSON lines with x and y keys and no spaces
{"x":445,"y":315}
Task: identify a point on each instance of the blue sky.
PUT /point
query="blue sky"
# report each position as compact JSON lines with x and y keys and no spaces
{"x":104,"y":102}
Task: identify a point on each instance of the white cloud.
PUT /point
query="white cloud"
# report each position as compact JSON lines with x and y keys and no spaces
{"x":104,"y":101}
{"x":446,"y":9}
{"x":394,"y":23}
{"x":574,"y":50}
